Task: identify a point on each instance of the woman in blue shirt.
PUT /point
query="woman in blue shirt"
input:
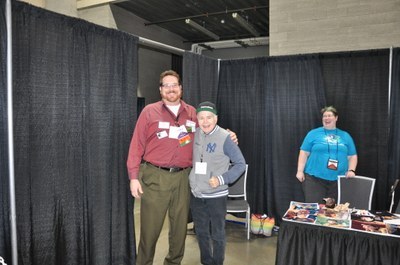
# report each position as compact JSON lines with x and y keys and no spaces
{"x":326,"y":153}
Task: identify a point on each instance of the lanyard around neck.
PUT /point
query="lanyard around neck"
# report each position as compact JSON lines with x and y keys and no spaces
{"x":334,"y":136}
{"x":173,"y":116}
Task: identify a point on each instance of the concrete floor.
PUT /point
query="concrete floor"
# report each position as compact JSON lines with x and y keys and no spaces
{"x":239,"y":250}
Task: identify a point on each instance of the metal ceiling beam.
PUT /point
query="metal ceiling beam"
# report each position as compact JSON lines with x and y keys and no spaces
{"x":242,"y":43}
{"x":201,"y":29}
{"x":206,"y":46}
{"x":245,"y":24}
{"x":254,"y":8}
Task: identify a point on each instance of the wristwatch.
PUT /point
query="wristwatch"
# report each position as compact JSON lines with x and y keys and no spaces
{"x":352,"y":170}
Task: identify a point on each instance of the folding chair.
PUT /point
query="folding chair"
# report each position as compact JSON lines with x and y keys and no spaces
{"x":357,"y":191}
{"x":237,"y":199}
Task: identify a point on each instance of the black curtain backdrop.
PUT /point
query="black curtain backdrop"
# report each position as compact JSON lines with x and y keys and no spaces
{"x":200,"y":79}
{"x":5,"y":249}
{"x":241,"y":109}
{"x":74,"y":112}
{"x":357,"y":84}
{"x":234,"y":100}
{"x":294,"y":96}
{"x":177,"y":63}
{"x":394,"y":121}
{"x":273,"y":102}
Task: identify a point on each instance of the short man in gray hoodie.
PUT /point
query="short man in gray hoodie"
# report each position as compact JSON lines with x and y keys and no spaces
{"x":217,"y":162}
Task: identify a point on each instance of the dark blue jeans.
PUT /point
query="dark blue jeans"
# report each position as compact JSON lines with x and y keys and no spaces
{"x":209,"y":222}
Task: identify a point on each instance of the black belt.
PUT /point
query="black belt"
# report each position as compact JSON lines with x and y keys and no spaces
{"x":169,"y":169}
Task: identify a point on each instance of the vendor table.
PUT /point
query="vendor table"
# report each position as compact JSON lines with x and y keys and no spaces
{"x":308,"y":244}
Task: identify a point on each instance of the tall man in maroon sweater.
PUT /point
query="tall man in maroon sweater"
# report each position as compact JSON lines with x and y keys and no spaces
{"x":161,"y":147}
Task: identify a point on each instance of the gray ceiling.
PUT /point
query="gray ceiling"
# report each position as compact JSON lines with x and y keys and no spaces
{"x":171,"y":15}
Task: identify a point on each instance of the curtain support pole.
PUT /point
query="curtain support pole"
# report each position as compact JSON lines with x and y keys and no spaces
{"x":14,"y":247}
{"x":159,"y":45}
{"x":390,"y":77}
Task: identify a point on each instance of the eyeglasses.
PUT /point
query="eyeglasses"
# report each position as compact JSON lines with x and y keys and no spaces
{"x":170,"y":85}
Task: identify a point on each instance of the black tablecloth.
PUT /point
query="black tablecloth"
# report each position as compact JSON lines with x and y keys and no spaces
{"x":306,"y":244}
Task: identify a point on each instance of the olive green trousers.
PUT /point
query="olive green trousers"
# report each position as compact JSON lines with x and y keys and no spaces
{"x":164,"y":193}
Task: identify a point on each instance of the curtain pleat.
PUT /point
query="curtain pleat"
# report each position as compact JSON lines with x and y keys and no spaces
{"x":177,"y":64}
{"x":200,"y":78}
{"x":394,"y":118}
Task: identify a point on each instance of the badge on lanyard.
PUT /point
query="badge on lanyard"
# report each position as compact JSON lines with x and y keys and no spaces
{"x":332,"y":164}
{"x":201,"y":168}
{"x":190,"y":126}
{"x":184,"y":138}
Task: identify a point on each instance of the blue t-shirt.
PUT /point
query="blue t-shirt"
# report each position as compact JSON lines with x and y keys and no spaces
{"x":323,"y":144}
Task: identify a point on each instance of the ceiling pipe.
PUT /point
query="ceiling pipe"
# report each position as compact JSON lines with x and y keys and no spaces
{"x":247,"y":42}
{"x":160,"y":46}
{"x":212,"y":45}
{"x":254,"y":8}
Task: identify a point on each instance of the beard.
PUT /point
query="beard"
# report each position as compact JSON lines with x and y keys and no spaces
{"x":172,"y":96}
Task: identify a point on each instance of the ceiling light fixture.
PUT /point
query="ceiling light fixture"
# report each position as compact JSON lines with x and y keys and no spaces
{"x":201,"y":29}
{"x":245,"y":24}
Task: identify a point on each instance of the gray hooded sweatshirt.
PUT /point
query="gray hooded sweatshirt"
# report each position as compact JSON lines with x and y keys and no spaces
{"x":224,"y":160}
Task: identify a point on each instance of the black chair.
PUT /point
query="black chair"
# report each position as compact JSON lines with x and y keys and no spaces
{"x":357,"y":191}
{"x":237,"y":199}
{"x":397,"y":209}
{"x":395,"y":197}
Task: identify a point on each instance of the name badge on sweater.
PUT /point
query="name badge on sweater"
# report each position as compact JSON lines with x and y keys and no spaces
{"x":201,"y":168}
{"x":175,"y":131}
{"x":162,"y":134}
{"x":163,"y":125}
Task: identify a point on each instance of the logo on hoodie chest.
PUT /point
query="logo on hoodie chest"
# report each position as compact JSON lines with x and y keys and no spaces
{"x":211,"y":147}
